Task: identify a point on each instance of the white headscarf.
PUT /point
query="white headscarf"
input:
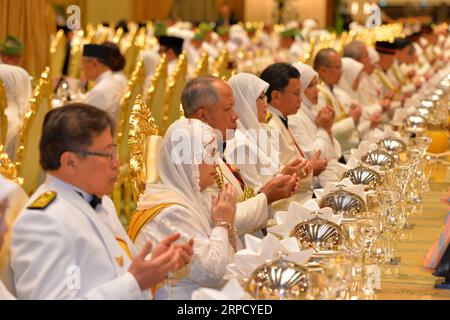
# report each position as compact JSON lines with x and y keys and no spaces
{"x":6,"y":188}
{"x":374,"y":56}
{"x":186,"y":144}
{"x":307,"y":74}
{"x":350,"y":71}
{"x":246,"y":90}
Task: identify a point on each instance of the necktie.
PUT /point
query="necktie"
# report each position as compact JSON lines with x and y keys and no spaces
{"x":95,"y":202}
{"x":285,"y":122}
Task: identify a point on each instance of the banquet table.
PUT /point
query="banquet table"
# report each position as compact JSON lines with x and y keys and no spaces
{"x":408,"y":280}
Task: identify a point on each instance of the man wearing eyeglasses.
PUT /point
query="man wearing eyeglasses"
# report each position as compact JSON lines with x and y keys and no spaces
{"x":68,"y":242}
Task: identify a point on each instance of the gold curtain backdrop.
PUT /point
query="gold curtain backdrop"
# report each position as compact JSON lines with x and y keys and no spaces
{"x":32,"y":21}
{"x":151,"y":9}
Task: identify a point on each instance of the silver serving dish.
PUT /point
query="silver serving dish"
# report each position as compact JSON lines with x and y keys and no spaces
{"x":319,"y":234}
{"x":363,"y":175}
{"x":427,"y":104}
{"x":392,"y":145}
{"x":278,"y":280}
{"x":379,"y":158}
{"x":343,"y":202}
{"x":424,"y":112}
{"x":416,"y":121}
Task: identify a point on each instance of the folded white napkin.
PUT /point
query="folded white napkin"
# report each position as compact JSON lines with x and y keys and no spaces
{"x":364,"y":147}
{"x":231,"y":291}
{"x":259,"y":251}
{"x":297,"y":213}
{"x":348,"y":186}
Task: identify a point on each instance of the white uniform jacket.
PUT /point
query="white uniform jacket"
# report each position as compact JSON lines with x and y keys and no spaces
{"x":71,"y":251}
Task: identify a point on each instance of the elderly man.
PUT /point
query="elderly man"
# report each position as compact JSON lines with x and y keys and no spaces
{"x":68,"y":242}
{"x":11,"y":50}
{"x":328,"y":65}
{"x":211,"y":100}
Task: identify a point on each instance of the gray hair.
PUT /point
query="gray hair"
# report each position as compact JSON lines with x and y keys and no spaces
{"x":322,"y":58}
{"x":354,"y":50}
{"x":199,"y":92}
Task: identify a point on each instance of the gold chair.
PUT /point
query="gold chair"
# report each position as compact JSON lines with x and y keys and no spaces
{"x":76,"y":53}
{"x":202,"y":65}
{"x":17,"y":201}
{"x":58,"y":54}
{"x":221,"y":68}
{"x":144,"y":143}
{"x":27,"y":164}
{"x":134,"y":89}
{"x":172,"y":109}
{"x":132,"y":50}
{"x":3,"y":117}
{"x":157,"y":92}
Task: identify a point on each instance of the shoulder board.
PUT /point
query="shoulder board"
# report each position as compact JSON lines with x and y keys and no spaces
{"x":43,"y":201}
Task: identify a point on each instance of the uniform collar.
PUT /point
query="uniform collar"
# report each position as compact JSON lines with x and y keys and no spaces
{"x":104,"y":75}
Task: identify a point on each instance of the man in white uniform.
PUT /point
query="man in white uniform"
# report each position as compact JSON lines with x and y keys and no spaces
{"x":328,"y":65}
{"x":68,"y":242}
{"x":172,"y":47}
{"x":107,"y":91}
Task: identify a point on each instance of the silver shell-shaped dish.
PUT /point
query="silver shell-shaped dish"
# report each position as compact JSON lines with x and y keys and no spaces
{"x":343,"y":202}
{"x":416,"y":121}
{"x":424,"y":112}
{"x":392,"y":145}
{"x":278,"y":280}
{"x":363,"y":175}
{"x":318,"y":234}
{"x":428,"y":104}
{"x":379,"y":158}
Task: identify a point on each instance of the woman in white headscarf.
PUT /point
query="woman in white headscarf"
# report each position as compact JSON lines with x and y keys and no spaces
{"x":181,"y":203}
{"x":151,"y":60}
{"x":352,"y":73}
{"x":18,"y":93}
{"x":313,"y":135}
{"x":252,"y":149}
{"x":6,"y":188}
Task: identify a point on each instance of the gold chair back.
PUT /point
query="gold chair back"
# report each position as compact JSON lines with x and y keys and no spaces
{"x":133,"y":90}
{"x":172,"y":109}
{"x":132,"y":50}
{"x":76,"y":53}
{"x":142,"y":145}
{"x":202,"y":66}
{"x":157,"y":92}
{"x":27,"y":164}
{"x":3,"y":117}
{"x":58,"y":54}
{"x":221,"y":68}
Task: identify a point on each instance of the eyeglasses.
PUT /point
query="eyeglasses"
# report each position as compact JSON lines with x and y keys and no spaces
{"x":113,"y":155}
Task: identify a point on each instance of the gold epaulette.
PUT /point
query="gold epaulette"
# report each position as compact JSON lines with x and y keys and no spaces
{"x":268,"y":117}
{"x":43,"y":201}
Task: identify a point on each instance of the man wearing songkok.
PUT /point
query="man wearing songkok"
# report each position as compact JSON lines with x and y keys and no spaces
{"x":68,"y":242}
{"x":11,"y":50}
{"x":290,"y":49}
{"x":172,"y":47}
{"x":107,"y":91}
{"x":211,"y":100}
{"x":18,"y":92}
{"x":7,"y":189}
{"x":284,"y":97}
{"x":181,"y":202}
{"x":395,"y":72}
{"x":328,"y":65}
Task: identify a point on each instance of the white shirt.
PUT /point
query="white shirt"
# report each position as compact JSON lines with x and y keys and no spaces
{"x":106,"y":94}
{"x":5,"y":294}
